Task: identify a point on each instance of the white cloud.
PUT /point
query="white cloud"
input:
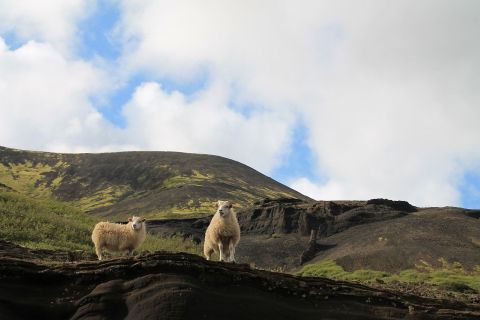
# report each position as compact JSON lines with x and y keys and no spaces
{"x":327,"y":191}
{"x":388,"y":90}
{"x":269,"y":52}
{"x":52,"y":21}
{"x":157,"y":120}
{"x":401,"y":103}
{"x":45,"y":101}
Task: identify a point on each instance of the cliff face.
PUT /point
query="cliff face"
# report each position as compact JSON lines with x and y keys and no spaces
{"x":377,"y":234}
{"x":284,"y":216}
{"x":294,"y":216}
{"x":41,"y":285}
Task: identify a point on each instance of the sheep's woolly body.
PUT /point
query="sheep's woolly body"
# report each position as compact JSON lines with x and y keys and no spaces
{"x":224,"y":228}
{"x":117,"y":237}
{"x":222,"y":236}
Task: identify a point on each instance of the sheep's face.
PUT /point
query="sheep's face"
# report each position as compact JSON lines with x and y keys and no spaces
{"x":224,"y":208}
{"x":137,"y":222}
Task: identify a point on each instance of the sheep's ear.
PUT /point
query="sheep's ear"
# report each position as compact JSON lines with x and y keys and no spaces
{"x":230,"y":205}
{"x":143,"y":219}
{"x":129,"y":219}
{"x":217,"y":204}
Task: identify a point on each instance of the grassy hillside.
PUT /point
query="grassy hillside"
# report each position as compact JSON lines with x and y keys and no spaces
{"x":44,"y":224}
{"x":153,"y":184}
{"x":49,"y":224}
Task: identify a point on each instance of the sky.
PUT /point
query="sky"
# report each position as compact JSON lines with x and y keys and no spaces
{"x":337,"y":99}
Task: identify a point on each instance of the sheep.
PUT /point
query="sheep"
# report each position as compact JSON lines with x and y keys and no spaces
{"x":119,"y":237}
{"x":223,"y":233}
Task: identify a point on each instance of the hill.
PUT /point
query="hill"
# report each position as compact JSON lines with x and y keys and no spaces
{"x":427,"y":235}
{"x":42,"y":285}
{"x":153,"y":184}
{"x":378,"y":234}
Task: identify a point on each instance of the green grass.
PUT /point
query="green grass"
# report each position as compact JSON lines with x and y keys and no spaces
{"x":102,"y":198}
{"x":45,"y":224}
{"x":155,"y":243}
{"x":330,"y":269}
{"x":49,"y":224}
{"x":26,"y":178}
{"x":173,"y":244}
{"x":191,"y":209}
{"x":193,"y":179}
{"x":449,"y":276}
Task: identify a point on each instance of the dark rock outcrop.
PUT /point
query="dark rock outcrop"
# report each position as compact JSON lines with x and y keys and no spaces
{"x":294,"y":216}
{"x":395,"y":205}
{"x":378,"y":234}
{"x":183,"y":286}
{"x":274,"y":232}
{"x":285,"y":217}
{"x":13,"y":251}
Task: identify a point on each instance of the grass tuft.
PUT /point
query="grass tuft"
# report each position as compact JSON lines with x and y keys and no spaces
{"x":173,"y":244}
{"x":44,"y":224}
{"x":449,"y":276}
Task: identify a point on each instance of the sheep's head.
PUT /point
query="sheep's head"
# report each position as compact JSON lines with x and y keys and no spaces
{"x":224,"y":208}
{"x":137,"y":222}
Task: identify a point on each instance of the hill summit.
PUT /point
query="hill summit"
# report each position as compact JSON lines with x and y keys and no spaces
{"x":153,"y":184}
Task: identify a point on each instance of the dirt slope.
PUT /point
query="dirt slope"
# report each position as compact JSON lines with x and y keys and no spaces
{"x":394,"y":245}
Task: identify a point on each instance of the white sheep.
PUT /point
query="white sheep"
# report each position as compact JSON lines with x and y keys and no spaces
{"x":119,"y":237}
{"x":223,"y":233}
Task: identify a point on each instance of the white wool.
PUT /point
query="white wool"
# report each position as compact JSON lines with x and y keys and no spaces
{"x":223,"y":233}
{"x":118,"y":237}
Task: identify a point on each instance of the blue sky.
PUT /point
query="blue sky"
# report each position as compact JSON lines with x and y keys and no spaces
{"x":96,"y":32}
{"x":336,"y":101}
{"x":470,"y":191}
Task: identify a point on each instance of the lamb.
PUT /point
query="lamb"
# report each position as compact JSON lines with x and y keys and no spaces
{"x":119,"y":237}
{"x":223,"y":233}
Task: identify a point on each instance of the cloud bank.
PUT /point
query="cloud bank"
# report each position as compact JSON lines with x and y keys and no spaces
{"x":387,"y":91}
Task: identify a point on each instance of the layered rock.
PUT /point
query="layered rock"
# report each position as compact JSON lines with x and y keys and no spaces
{"x":377,"y":234}
{"x":284,"y":232}
{"x":39,"y":285}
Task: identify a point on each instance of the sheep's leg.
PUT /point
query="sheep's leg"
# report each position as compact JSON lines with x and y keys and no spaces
{"x":232,"y":252}
{"x":98,"y":251}
{"x":208,"y":250}
{"x":208,"y":253}
{"x":220,"y":248}
{"x":227,"y":253}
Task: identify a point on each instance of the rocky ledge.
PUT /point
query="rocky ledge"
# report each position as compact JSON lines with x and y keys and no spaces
{"x":377,"y":234}
{"x":50,"y":285}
